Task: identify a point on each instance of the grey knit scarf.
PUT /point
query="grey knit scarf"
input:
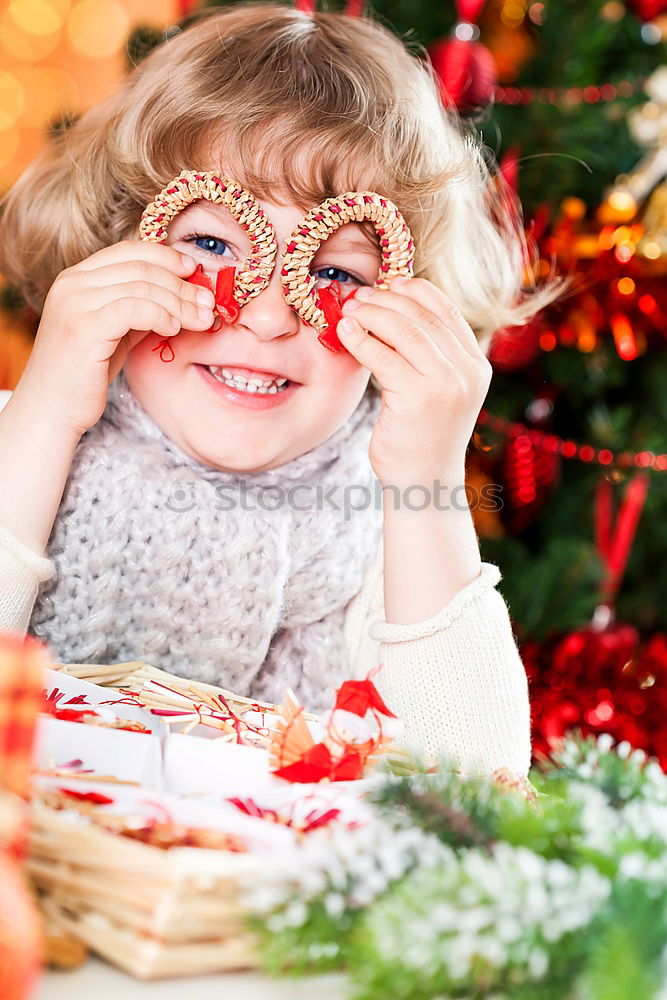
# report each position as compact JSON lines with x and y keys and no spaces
{"x":208,"y":574}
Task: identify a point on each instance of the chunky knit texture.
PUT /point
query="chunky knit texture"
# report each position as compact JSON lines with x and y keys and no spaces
{"x":162,"y":558}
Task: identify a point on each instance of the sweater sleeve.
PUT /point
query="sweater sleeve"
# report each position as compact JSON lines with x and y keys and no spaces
{"x":456,"y":680}
{"x":21,"y":572}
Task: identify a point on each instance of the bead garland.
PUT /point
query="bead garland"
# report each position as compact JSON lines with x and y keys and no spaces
{"x":602,"y":94}
{"x":570,"y":449}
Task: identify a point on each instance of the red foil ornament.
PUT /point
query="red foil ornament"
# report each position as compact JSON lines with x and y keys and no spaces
{"x":467,"y":72}
{"x":647,"y":10}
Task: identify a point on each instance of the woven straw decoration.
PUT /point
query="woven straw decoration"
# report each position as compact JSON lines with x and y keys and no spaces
{"x":191,"y":185}
{"x":396,"y":247}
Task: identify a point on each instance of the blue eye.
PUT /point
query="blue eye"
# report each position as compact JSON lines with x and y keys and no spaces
{"x":211,"y":244}
{"x":336,"y":274}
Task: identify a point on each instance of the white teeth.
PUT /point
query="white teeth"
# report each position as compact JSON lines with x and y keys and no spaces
{"x":251,"y":385}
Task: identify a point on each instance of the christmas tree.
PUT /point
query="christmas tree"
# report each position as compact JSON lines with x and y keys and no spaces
{"x":574,"y":104}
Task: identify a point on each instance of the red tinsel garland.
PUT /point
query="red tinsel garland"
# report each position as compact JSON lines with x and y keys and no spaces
{"x":599,"y":681}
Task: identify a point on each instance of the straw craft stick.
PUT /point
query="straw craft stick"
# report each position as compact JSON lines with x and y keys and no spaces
{"x":192,"y":185}
{"x":156,"y":688}
{"x":396,"y":247}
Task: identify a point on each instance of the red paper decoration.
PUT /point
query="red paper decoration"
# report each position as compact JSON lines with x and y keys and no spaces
{"x":340,"y":755}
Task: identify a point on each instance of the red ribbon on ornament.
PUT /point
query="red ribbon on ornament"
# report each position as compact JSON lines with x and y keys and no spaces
{"x":614,"y":538}
{"x":226,"y":305}
{"x":331,"y":304}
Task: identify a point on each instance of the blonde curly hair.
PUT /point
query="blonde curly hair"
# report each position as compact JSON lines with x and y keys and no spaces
{"x":301,"y":104}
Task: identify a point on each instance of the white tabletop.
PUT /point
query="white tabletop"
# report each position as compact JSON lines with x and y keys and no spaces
{"x":98,"y":981}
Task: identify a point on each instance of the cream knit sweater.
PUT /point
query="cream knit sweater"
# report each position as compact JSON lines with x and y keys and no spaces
{"x":456,"y":680}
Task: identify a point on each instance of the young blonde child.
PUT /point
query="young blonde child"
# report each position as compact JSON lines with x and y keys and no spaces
{"x":152,"y":511}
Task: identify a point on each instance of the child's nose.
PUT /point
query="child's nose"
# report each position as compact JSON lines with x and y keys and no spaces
{"x":268,"y":314}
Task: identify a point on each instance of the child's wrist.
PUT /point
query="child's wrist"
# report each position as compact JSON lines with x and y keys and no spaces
{"x":449,"y":477}
{"x":36,"y":407}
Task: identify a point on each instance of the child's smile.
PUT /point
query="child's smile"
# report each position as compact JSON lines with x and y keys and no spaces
{"x":216,"y":398}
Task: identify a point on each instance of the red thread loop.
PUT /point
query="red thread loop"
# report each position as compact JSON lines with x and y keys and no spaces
{"x":226,"y":307}
{"x":161,"y":347}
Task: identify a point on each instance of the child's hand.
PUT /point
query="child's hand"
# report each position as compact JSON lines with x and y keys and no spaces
{"x":96,"y":312}
{"x":434,"y":379}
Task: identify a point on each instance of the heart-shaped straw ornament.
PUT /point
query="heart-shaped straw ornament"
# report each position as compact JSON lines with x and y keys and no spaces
{"x":322,"y":308}
{"x":233,"y":287}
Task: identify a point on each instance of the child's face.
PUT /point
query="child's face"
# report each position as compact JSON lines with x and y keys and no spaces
{"x":229,"y":428}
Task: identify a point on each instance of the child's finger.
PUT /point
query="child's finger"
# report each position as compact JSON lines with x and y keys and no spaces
{"x":426,"y":292}
{"x":399,"y":329}
{"x":192,"y":309}
{"x":147,"y":272}
{"x":139,"y":314}
{"x":390,"y":368}
{"x":140,"y":250}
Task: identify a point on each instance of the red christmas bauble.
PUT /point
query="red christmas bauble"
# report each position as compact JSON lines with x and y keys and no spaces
{"x":467,"y":72}
{"x":514,"y":347}
{"x":647,"y":9}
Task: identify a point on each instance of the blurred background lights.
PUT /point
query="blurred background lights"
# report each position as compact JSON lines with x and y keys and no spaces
{"x":47,"y":91}
{"x":11,"y":99}
{"x":35,"y":17}
{"x":47,"y":48}
{"x":9,"y":145}
{"x":21,"y":45}
{"x":98,"y":28}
